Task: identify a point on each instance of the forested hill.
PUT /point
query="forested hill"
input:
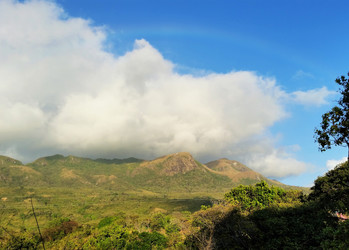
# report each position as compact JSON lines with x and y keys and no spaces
{"x":178,"y":172}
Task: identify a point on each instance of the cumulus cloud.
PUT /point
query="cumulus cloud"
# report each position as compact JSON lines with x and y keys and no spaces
{"x":331,"y":164}
{"x":277,"y":163}
{"x":62,"y":92}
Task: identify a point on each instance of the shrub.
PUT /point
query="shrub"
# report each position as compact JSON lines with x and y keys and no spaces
{"x":159,"y":221}
{"x":148,"y":240}
{"x":59,"y":230}
{"x":105,"y":222}
{"x":23,"y":241}
{"x":118,"y":237}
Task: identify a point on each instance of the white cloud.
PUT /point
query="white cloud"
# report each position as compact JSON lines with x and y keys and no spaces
{"x":277,"y":163}
{"x":331,"y":164}
{"x":62,"y":92}
{"x":20,"y":121}
{"x":300,"y":74}
{"x":313,"y":97}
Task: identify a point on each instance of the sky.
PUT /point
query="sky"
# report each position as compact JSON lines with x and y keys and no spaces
{"x":244,"y":80}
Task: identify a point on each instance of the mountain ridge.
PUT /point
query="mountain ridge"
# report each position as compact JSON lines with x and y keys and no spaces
{"x":238,"y":172}
{"x":178,"y":172}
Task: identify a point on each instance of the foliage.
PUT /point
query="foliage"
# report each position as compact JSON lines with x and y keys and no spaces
{"x":332,"y":189}
{"x":221,"y":227}
{"x":260,"y":196}
{"x":58,"y":231}
{"x":105,"y":222}
{"x":334,"y":128}
{"x":340,"y":239}
{"x":203,"y":225}
{"x":300,"y":227}
{"x":148,"y":240}
{"x":22,"y":241}
{"x":112,"y":237}
{"x":118,"y":237}
{"x":279,"y":221}
{"x":159,"y":221}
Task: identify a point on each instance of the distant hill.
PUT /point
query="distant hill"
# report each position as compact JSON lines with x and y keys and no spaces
{"x":238,"y":172}
{"x":7,"y":161}
{"x":178,"y":172}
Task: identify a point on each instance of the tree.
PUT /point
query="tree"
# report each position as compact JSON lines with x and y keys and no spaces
{"x":332,"y":190}
{"x":260,"y":196}
{"x":335,"y":123}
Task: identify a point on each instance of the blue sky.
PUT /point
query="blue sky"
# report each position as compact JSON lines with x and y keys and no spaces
{"x":301,"y":46}
{"x":276,"y":38}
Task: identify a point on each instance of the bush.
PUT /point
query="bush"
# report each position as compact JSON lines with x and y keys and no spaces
{"x":148,"y":241}
{"x":60,"y":230}
{"x":159,"y":221}
{"x":23,"y":241}
{"x":110,"y":237}
{"x":118,"y":237}
{"x":105,"y":222}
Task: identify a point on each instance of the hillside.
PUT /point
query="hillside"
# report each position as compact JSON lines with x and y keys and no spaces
{"x":87,"y":190}
{"x":178,"y":172}
{"x":238,"y":172}
{"x":84,"y":203}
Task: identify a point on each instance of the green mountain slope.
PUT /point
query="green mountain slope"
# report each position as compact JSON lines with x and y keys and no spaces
{"x":174,"y":173}
{"x":14,"y":173}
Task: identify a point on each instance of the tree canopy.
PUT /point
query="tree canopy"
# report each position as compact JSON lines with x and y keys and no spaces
{"x":334,"y":128}
{"x":260,"y":196}
{"x":332,"y":189}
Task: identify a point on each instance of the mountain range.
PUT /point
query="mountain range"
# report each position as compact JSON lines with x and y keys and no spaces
{"x":178,"y":172}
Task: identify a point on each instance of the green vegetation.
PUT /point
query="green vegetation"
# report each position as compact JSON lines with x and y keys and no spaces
{"x":335,"y":123}
{"x":250,"y":217}
{"x":263,"y":217}
{"x":261,"y":196}
{"x":135,"y":210}
{"x":331,"y":190}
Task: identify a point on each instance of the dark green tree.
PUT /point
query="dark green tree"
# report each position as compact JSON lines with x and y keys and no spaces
{"x":334,"y":128}
{"x":331,"y":191}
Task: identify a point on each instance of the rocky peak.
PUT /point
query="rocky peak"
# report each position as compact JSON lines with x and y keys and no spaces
{"x":177,"y":163}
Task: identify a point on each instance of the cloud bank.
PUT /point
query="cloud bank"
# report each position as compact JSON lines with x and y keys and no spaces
{"x":62,"y":92}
